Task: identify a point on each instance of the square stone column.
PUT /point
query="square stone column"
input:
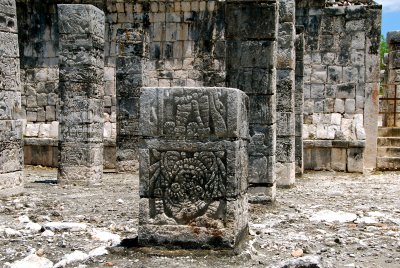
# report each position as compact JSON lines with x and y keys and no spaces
{"x":251,"y":46}
{"x":129,"y":69}
{"x":285,"y":95}
{"x":193,"y":167}
{"x":81,"y":29}
{"x":11,"y":146}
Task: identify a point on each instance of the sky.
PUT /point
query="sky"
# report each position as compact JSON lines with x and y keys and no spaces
{"x":390,"y":15}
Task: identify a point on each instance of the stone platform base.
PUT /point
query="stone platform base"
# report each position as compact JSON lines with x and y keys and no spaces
{"x":223,"y":226}
{"x":262,"y":194}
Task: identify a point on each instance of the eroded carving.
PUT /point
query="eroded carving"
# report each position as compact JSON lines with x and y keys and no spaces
{"x":186,"y":184}
{"x":196,"y":115}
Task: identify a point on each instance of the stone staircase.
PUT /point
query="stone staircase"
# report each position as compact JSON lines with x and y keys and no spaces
{"x":388,"y":148}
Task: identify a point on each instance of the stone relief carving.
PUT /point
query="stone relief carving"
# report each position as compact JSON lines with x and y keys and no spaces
{"x":186,"y":184}
{"x":196,"y":115}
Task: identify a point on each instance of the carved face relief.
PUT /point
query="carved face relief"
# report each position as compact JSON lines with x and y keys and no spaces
{"x":187,"y":182}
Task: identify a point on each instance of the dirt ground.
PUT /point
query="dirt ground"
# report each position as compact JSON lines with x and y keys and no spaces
{"x":343,"y":220}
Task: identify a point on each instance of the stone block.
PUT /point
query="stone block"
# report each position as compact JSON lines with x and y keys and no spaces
{"x":285,"y":148}
{"x":251,"y":20}
{"x":10,"y":130}
{"x":193,"y":113}
{"x":9,"y":45}
{"x":222,"y":225}
{"x":346,"y":91}
{"x":262,"y":140}
{"x":10,"y":103}
{"x":261,"y":169}
{"x":285,"y":124}
{"x":227,"y":160}
{"x":81,"y":19}
{"x":262,"y":194}
{"x":285,"y":174}
{"x":253,"y":81}
{"x":355,"y":160}
{"x":193,"y":167}
{"x":339,"y":159}
{"x":9,"y":76}
{"x":250,"y":54}
{"x":262,"y":109}
{"x":11,"y":156}
{"x":11,"y":184}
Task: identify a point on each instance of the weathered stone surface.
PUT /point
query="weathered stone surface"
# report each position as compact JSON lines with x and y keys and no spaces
{"x":11,"y":146}
{"x":285,"y":88}
{"x":193,"y":167}
{"x":342,"y":66}
{"x":81,"y":93}
{"x":251,"y":49}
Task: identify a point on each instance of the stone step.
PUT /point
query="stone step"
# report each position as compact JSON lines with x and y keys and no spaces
{"x":388,"y":163}
{"x":388,"y":142}
{"x":389,"y":132}
{"x":389,"y":152}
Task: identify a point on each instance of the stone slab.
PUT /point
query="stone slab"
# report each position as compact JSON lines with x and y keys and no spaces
{"x":218,"y":224}
{"x":192,"y":113}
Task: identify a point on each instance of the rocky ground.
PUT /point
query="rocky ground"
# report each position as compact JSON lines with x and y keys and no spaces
{"x":328,"y":220}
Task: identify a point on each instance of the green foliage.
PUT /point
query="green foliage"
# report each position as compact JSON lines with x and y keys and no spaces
{"x":384,"y":49}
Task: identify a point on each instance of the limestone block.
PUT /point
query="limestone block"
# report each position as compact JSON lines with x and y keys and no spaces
{"x":355,"y":160}
{"x":393,"y":37}
{"x":262,"y":194}
{"x":350,"y":106}
{"x":251,"y":54}
{"x":11,"y":184}
{"x":285,"y":148}
{"x":9,"y":45}
{"x":339,"y":159}
{"x":9,"y":76}
{"x":81,"y":19}
{"x":261,"y":169}
{"x":251,"y":20}
{"x":11,"y":156}
{"x":262,"y":140}
{"x":285,"y":90}
{"x":10,"y":102}
{"x":187,"y":113}
{"x":84,"y":132}
{"x":32,"y":130}
{"x":222,"y":225}
{"x":227,"y":158}
{"x":346,"y":91}
{"x":262,"y":109}
{"x":11,"y":130}
{"x":285,"y":174}
{"x":285,"y":124}
{"x":254,"y":80}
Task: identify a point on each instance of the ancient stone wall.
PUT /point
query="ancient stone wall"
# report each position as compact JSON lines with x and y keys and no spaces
{"x":193,"y":167}
{"x":341,"y":77}
{"x":81,"y":31}
{"x":11,"y":153}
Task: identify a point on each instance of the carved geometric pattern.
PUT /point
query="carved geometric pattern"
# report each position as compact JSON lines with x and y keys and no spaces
{"x":187,"y":182}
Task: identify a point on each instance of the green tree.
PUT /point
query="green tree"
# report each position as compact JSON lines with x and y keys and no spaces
{"x":384,"y":49}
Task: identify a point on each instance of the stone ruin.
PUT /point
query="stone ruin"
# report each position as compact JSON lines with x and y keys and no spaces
{"x":121,"y":84}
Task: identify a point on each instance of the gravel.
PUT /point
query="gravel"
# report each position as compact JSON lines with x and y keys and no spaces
{"x":327,"y":220}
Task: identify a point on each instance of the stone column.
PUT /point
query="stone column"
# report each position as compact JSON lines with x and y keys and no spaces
{"x":251,"y":33}
{"x":193,"y":167}
{"x":299,"y":99}
{"x":393,"y":75}
{"x":81,"y":29}
{"x":11,"y":147}
{"x":285,"y":95}
{"x":373,"y":24}
{"x":129,"y":81}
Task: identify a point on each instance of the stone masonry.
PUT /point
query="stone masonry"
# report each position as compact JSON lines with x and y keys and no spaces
{"x":299,"y":99}
{"x":81,"y":29}
{"x":251,"y":37}
{"x":341,"y":75}
{"x":193,"y":167}
{"x":285,"y":89}
{"x":129,"y":77}
{"x":11,"y":148}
